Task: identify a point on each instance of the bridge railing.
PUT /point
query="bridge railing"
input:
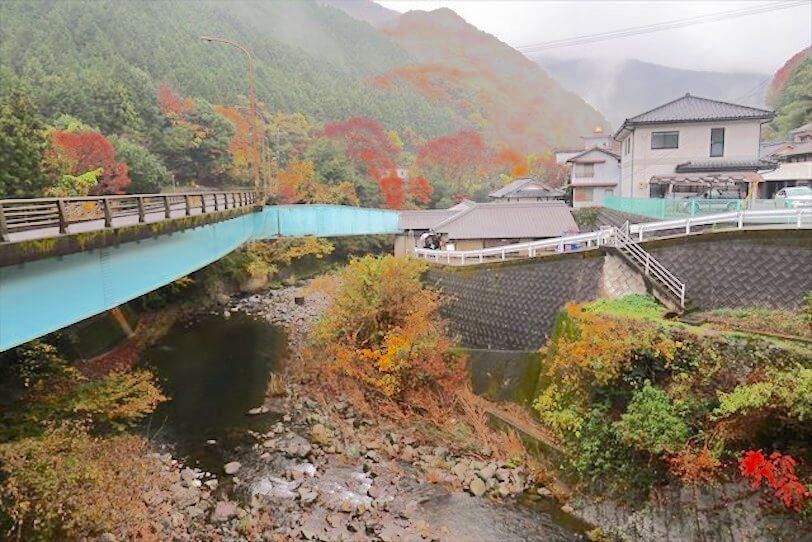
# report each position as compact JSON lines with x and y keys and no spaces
{"x":19,"y":215}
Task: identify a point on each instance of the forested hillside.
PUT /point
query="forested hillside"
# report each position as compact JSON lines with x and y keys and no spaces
{"x":108,"y":97}
{"x":790,"y":94}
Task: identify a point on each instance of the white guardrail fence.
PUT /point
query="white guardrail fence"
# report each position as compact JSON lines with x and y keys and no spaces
{"x":779,"y":218}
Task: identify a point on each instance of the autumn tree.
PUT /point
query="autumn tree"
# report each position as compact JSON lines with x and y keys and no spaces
{"x":195,"y":142}
{"x":366,"y":143}
{"x":146,"y":170}
{"x":392,"y":191}
{"x":22,"y":144}
{"x":455,"y":163}
{"x":240,"y":147}
{"x":419,"y":191}
{"x":76,"y":153}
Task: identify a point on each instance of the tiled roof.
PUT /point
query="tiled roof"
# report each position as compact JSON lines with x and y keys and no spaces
{"x":521,"y":220}
{"x":520,"y":188}
{"x":424,"y":219}
{"x":724,"y":165}
{"x":805,"y":128}
{"x":794,"y":149}
{"x":695,"y":109}
{"x":599,"y":149}
{"x":790,"y":171}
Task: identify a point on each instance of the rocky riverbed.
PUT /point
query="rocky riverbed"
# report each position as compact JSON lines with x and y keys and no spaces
{"x":319,"y":469}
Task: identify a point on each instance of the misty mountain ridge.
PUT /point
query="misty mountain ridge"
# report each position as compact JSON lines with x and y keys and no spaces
{"x":623,"y":88}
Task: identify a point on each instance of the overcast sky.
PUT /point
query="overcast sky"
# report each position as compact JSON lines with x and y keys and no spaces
{"x":752,"y":43}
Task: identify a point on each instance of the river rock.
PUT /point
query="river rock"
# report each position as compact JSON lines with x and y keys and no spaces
{"x":106,"y":537}
{"x":258,"y":410}
{"x":544,"y":492}
{"x":459,"y":470}
{"x":408,"y":453}
{"x":296,"y":446}
{"x":224,"y":511}
{"x":477,"y":487}
{"x":488,"y":472}
{"x":321,"y":435}
{"x":184,"y":496}
{"x":232,"y":467}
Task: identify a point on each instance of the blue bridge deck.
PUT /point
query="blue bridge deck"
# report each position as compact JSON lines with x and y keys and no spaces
{"x":42,"y":296}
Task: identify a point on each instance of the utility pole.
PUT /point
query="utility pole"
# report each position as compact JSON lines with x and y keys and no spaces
{"x":253,"y":105}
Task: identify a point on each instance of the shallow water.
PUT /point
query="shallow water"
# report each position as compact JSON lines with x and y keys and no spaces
{"x":213,"y":370}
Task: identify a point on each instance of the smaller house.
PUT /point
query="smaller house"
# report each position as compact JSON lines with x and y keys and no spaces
{"x":527,"y":189}
{"x":794,"y":159}
{"x":595,"y":174}
{"x":486,"y":225}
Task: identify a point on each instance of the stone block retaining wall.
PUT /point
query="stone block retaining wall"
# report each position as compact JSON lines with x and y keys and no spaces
{"x":512,"y":305}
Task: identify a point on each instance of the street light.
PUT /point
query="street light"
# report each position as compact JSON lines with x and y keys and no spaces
{"x":253,"y":104}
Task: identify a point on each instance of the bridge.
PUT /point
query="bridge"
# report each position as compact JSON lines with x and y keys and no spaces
{"x":63,"y":260}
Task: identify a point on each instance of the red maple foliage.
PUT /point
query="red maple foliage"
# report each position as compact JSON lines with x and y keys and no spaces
{"x":784,"y":73}
{"x":392,"y":191}
{"x":778,"y":472}
{"x":419,"y":190}
{"x":366,"y":143}
{"x":76,"y":153}
{"x":170,"y":103}
{"x":456,"y":153}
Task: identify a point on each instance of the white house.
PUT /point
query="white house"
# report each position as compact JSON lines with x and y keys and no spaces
{"x":692,"y":143}
{"x":794,"y":159}
{"x":526,"y":189}
{"x":595,"y":174}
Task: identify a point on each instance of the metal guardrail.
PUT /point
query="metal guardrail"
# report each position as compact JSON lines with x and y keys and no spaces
{"x":529,"y":249}
{"x":792,"y":218}
{"x":797,"y":218}
{"x":650,"y":266}
{"x":676,"y":208}
{"x":19,"y":215}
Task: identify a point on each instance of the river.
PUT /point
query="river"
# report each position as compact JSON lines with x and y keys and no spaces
{"x":215,"y":369}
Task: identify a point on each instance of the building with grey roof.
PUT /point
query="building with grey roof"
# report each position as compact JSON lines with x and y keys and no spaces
{"x":527,"y":189}
{"x":482,"y":225}
{"x":690,"y":137}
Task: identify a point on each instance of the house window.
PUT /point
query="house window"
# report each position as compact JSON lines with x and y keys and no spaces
{"x":717,"y":144}
{"x":585,"y":170}
{"x":665,"y":140}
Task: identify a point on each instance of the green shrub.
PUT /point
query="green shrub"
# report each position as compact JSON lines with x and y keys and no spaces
{"x":652,"y":422}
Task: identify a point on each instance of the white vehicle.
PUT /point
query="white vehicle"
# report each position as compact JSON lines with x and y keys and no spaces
{"x":795,"y":196}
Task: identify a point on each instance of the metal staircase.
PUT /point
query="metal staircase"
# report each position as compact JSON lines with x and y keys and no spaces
{"x":649,"y":266}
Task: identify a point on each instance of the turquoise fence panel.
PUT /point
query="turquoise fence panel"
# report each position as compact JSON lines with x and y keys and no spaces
{"x":325,"y":221}
{"x":651,"y":207}
{"x":672,"y":208}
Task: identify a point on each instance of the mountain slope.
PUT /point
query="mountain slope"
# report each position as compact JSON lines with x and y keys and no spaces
{"x":499,"y":91}
{"x":310,"y":58}
{"x":790,"y":94}
{"x":623,"y":89}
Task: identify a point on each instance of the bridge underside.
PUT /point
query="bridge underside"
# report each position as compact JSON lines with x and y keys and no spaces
{"x":45,"y":295}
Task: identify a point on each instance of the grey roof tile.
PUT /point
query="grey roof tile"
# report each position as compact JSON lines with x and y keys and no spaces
{"x":519,"y":188}
{"x":519,"y":220}
{"x":724,"y":165}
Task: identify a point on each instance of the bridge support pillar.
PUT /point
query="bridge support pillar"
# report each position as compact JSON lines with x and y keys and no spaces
{"x":122,"y":322}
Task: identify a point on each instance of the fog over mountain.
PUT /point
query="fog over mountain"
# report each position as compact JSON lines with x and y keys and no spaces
{"x":624,"y":88}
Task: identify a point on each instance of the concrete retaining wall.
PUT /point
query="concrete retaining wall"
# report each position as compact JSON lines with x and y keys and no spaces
{"x":512,"y":305}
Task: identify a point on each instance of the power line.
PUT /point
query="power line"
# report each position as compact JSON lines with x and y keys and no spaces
{"x":657,"y":27}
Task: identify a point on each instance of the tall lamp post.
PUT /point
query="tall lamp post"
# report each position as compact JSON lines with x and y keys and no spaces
{"x":253,"y":105}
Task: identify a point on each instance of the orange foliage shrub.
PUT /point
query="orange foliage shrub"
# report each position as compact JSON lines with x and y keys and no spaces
{"x":75,"y":153}
{"x":694,"y":466}
{"x":382,"y":329}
